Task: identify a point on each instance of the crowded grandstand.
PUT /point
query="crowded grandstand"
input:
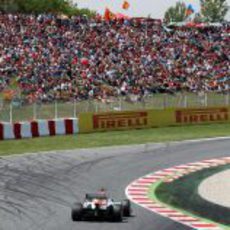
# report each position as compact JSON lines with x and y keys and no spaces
{"x":52,"y":57}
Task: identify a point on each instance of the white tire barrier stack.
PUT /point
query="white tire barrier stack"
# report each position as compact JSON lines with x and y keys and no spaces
{"x":38,"y":128}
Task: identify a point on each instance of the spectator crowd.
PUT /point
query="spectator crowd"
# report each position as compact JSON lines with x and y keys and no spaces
{"x":51,"y":57}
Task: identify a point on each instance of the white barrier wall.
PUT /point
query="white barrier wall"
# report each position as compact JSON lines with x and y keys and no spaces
{"x":38,"y":128}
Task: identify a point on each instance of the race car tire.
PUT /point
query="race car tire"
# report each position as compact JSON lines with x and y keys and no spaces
{"x":77,"y":212}
{"x":118,"y":213}
{"x":126,"y":208}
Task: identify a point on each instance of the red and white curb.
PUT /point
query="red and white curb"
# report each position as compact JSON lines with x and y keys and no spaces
{"x":138,"y":190}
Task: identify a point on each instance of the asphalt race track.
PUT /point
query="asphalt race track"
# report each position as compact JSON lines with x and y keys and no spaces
{"x":37,"y":191}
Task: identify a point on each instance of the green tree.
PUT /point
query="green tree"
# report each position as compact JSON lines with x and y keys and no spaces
{"x":198,"y":18}
{"x":44,"y":6}
{"x":213,"y":10}
{"x":176,"y":13}
{"x":73,"y":11}
{"x":8,"y":6}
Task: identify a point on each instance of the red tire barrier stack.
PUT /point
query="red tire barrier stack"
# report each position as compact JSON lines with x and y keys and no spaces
{"x":38,"y":128}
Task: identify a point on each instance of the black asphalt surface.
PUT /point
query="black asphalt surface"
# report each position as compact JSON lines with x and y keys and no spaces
{"x":37,"y":191}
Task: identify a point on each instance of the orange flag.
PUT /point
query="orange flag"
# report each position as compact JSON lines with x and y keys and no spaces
{"x":125,"y":5}
{"x":108,"y":15}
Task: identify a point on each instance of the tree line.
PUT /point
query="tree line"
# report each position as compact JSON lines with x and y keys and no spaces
{"x":210,"y":11}
{"x":66,"y":7}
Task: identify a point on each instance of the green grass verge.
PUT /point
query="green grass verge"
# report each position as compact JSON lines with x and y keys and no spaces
{"x":183,"y":194}
{"x":113,"y":138}
{"x":152,"y":196}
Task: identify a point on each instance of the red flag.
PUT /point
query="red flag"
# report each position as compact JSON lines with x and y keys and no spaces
{"x":108,"y":15}
{"x":125,"y":5}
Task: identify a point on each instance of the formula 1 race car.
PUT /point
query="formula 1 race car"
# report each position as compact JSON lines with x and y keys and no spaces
{"x":100,"y":206}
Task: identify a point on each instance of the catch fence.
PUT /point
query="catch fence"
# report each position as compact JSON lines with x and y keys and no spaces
{"x":18,"y":110}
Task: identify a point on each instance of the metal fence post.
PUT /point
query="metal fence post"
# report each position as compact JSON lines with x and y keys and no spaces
{"x":227,"y":99}
{"x":206,"y":99}
{"x":96,"y":107}
{"x":185,"y":101}
{"x":56,"y":109}
{"x":34,"y":111}
{"x":164,"y":101}
{"x":142,"y":104}
{"x":1,"y":103}
{"x":11,"y":113}
{"x":74,"y":108}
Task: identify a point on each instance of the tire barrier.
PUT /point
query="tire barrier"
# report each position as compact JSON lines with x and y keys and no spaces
{"x":38,"y":128}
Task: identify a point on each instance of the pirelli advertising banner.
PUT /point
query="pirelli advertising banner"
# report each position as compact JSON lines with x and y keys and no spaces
{"x":124,"y":120}
{"x":113,"y":121}
{"x":204,"y":115}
